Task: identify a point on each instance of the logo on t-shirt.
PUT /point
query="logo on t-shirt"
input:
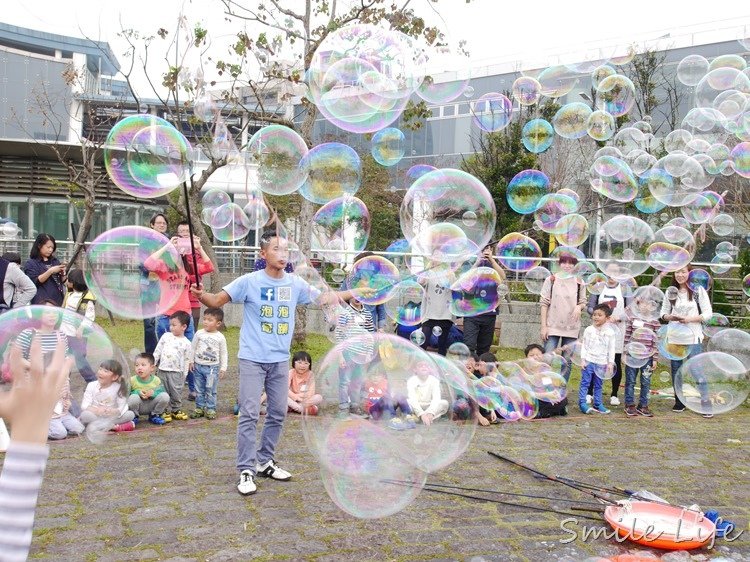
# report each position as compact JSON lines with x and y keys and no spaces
{"x":267,"y":294}
{"x":285,"y":294}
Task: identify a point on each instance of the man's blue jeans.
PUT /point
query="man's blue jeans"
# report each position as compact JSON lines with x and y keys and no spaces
{"x":162,"y":327}
{"x":206,"y":383}
{"x":149,"y":335}
{"x":552,"y":343}
{"x":631,"y":375}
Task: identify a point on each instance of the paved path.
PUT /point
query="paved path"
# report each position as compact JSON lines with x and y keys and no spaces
{"x":168,"y":493}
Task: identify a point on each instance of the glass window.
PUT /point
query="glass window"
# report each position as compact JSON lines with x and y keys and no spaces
{"x":99,"y":223}
{"x":52,"y":218}
{"x":18,"y":212}
{"x":123,"y":215}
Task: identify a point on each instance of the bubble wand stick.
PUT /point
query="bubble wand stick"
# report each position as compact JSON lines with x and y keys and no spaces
{"x":190,"y":225}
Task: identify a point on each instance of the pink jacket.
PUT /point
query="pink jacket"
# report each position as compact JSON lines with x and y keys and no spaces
{"x":560,"y":297}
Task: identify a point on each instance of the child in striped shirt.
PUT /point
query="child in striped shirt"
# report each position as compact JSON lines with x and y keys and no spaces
{"x":354,"y":324}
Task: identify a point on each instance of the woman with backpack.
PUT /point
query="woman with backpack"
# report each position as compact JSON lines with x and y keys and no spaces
{"x":563,"y":298}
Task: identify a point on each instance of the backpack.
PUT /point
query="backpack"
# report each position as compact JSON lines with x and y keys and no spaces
{"x":82,"y":304}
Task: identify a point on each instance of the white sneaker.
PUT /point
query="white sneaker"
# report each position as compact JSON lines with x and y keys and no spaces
{"x":270,"y":470}
{"x":246,"y":486}
{"x":614,"y":401}
{"x":589,"y":399}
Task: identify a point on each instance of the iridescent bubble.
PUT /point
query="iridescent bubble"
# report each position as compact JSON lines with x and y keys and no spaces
{"x":740,"y":158}
{"x":526,"y":190}
{"x":405,"y":305}
{"x":417,"y":171}
{"x":535,"y":278}
{"x":583,"y":269}
{"x":726,"y":247}
{"x":237,"y":225}
{"x":214,"y":198}
{"x":257,"y":212}
{"x":600,"y":73}
{"x":626,"y":140}
{"x":451,"y":63}
{"x":537,"y":135}
{"x":715,"y":324}
{"x":333,"y":169}
{"x":526,"y":90}
{"x":733,"y":342}
{"x":278,"y":151}
{"x":720,"y":263}
{"x":673,"y":249}
{"x":338,"y":275}
{"x":343,"y":225}
{"x":468,"y":91}
{"x":688,"y":180}
{"x":699,"y":278}
{"x":728,"y":61}
{"x":717,"y":81}
{"x":571,"y":120}
{"x":616,"y":95}
{"x":475,"y":292}
{"x":600,"y":125}
{"x":595,"y":283}
{"x":624,"y":240}
{"x":699,"y":211}
{"x":388,"y":146}
{"x":551,"y":208}
{"x":646,"y":303}
{"x":572,"y":230}
{"x":443,"y":197}
{"x":645,"y":202}
{"x":492,"y":112}
{"x":373,"y":279}
{"x":444,"y":243}
{"x":518,"y":252}
{"x":565,"y":252}
{"x":712,"y":382}
{"x":557,"y":81}
{"x":437,"y":331}
{"x":722,"y":224}
{"x":417,"y":337}
{"x":746,"y":284}
{"x":614,"y":179}
{"x":134,"y":271}
{"x":692,"y":69}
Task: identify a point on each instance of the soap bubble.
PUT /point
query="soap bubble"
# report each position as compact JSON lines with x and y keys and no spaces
{"x":624,"y":240}
{"x":699,"y":278}
{"x":417,"y":337}
{"x":600,"y":73}
{"x":342,"y":224}
{"x":388,"y":146}
{"x":373,"y":279}
{"x":405,"y":305}
{"x":712,"y":383}
{"x":278,"y":152}
{"x":733,"y":342}
{"x":720,"y":263}
{"x":571,"y":120}
{"x":537,"y":135}
{"x":600,"y":125}
{"x":613,"y":178}
{"x":236,"y":225}
{"x":332,"y":169}
{"x":616,"y":95}
{"x":692,"y":69}
{"x":571,"y":230}
{"x":557,"y":81}
{"x":551,"y":208}
{"x":492,"y":112}
{"x":526,"y":90}
{"x":673,"y":248}
{"x":535,"y":278}
{"x":722,"y":224}
{"x":740,"y":157}
{"x":475,"y":292}
{"x":526,"y":190}
{"x":517,"y":252}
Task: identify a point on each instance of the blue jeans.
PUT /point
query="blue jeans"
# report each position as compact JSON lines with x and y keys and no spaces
{"x":587,"y":376}
{"x":206,"y":383}
{"x":693,"y":349}
{"x":552,"y":343}
{"x":350,"y":386}
{"x":631,"y":375}
{"x":162,"y":327}
{"x":254,"y":378}
{"x":149,"y":335}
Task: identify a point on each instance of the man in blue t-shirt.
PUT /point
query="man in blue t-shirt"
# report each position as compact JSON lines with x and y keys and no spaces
{"x":270,"y":298}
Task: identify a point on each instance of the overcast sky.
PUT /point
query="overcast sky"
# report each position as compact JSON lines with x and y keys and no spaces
{"x":495,"y":30}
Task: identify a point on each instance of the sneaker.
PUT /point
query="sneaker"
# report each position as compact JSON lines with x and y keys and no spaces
{"x":167,"y":417}
{"x":602,"y":409}
{"x":246,"y":486}
{"x":708,"y":416}
{"x":179,"y":415}
{"x":678,"y":409}
{"x":614,"y":401}
{"x":156,"y":419}
{"x":210,"y":414}
{"x":587,"y":409}
{"x":197,"y":413}
{"x":411,"y":419}
{"x":589,"y":399}
{"x":631,"y":411}
{"x":312,"y":410}
{"x":192,"y":396}
{"x":397,"y":424}
{"x":127,"y":426}
{"x":271,"y":470}
{"x":644,"y":411}
{"x":409,"y":423}
{"x":136,"y":419}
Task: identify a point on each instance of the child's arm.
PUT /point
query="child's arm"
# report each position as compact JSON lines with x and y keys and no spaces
{"x":88,"y":396}
{"x":224,"y":356}
{"x":188,"y":357}
{"x":160,"y":348}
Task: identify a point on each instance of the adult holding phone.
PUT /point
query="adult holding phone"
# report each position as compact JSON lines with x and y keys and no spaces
{"x":46,"y":271}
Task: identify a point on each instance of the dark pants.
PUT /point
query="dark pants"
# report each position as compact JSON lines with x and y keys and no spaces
{"x":389,"y":406}
{"x":78,"y":347}
{"x":445,"y":325}
{"x":149,"y":335}
{"x":675,"y":365}
{"x":616,"y":379}
{"x":479,"y":332}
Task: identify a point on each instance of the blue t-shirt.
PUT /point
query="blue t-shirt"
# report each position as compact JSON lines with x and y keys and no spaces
{"x":268,"y":319}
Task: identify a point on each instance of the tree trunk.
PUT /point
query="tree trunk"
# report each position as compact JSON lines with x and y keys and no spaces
{"x":83,"y":230}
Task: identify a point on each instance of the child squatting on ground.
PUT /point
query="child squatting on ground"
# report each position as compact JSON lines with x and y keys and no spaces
{"x":597,"y":358}
{"x":423,"y":392}
{"x":147,"y":394}
{"x":106,"y":398}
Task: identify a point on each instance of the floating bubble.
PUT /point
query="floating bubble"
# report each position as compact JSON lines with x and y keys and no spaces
{"x":733,"y":342}
{"x":557,"y":81}
{"x":746,"y":284}
{"x":722,"y":224}
{"x":717,"y":81}
{"x":417,"y":171}
{"x":278,"y":151}
{"x":551,"y":208}
{"x":332,"y":169}
{"x":645,"y":202}
{"x":468,"y":91}
{"x":572,"y":230}
{"x":518,"y":252}
{"x":595,"y":283}
{"x":616,"y":95}
{"x":526,"y":190}
{"x":625,"y":241}
{"x":492,"y":112}
{"x":451,"y":62}
{"x":692,"y":69}
{"x":444,"y":197}
{"x":557,"y":255}
{"x":613,"y":178}
{"x":437,"y":331}
{"x":234,"y":224}
{"x":338,"y":275}
{"x":405,"y":305}
{"x":712,"y":383}
{"x":626,"y":140}
{"x":571,"y":120}
{"x":134,"y":271}
{"x":699,"y":211}
{"x":388,"y":146}
{"x":673,"y":249}
{"x":535,"y":278}
{"x":526,"y":90}
{"x":728,"y":61}
{"x":600,"y":73}
{"x":726,"y":247}
{"x":214,"y":198}
{"x":373,"y":279}
{"x":720,"y":263}
{"x":476,"y":292}
{"x":699,"y":278}
{"x":342,"y":224}
{"x":417,"y":337}
{"x":740,"y":158}
{"x":537,"y":135}
{"x":257,"y":213}
{"x":600,"y":125}
{"x":715,"y":324}
{"x":121,"y":148}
